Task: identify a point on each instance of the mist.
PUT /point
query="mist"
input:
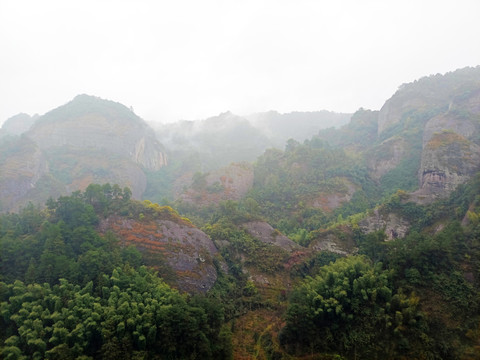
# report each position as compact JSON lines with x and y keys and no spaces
{"x":190,"y":60}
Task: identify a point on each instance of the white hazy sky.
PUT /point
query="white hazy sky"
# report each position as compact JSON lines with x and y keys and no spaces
{"x":184,"y":59}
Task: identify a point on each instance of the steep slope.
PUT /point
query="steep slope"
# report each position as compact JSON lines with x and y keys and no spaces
{"x":161,"y":234}
{"x":22,"y":167}
{"x":88,"y":140}
{"x":432,"y":127}
{"x":89,"y":122}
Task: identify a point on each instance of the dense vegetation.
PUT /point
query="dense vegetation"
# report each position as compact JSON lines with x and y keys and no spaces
{"x":340,"y":286}
{"x":68,"y":292}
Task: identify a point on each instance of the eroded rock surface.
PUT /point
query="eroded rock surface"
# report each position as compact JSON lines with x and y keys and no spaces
{"x":267,"y":234}
{"x":395,"y":227}
{"x":187,"y":250}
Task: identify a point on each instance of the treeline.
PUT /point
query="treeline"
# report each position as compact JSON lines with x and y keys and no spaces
{"x":134,"y":315}
{"x":68,"y":292}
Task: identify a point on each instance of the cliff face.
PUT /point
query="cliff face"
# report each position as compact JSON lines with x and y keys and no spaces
{"x":186,"y":250}
{"x":267,"y":234}
{"x":91,"y":123}
{"x":395,"y":227}
{"x":451,"y":148}
{"x":389,"y":155}
{"x":429,"y":93}
{"x":22,"y":165}
{"x":433,"y":126}
{"x":88,"y":140}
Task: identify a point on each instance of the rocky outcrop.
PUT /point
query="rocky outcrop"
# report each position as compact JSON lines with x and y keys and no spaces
{"x":430,"y":94}
{"x":88,"y":140}
{"x":441,"y":114}
{"x":78,"y":169}
{"x":187,"y":250}
{"x":267,"y":234}
{"x":451,"y":150}
{"x":394,"y":226}
{"x":339,"y":241}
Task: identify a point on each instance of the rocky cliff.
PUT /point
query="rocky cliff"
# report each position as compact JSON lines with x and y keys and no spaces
{"x":431,"y":127}
{"x":451,"y":148}
{"x":267,"y":234}
{"x":22,"y":165}
{"x":88,"y":140}
{"x":88,"y":122}
{"x":183,"y":248}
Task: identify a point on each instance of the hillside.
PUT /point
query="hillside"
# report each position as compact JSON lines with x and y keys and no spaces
{"x":352,"y":242}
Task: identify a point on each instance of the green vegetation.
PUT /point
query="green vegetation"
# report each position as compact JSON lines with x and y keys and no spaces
{"x":133,"y":315}
{"x":309,"y":185}
{"x":351,"y":307}
{"x":89,"y":275}
{"x":67,"y":292}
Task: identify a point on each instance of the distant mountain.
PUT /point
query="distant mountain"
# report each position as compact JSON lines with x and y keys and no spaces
{"x":296,"y":125}
{"x":218,"y":140}
{"x":227,"y":138}
{"x":268,"y":206}
{"x":88,"y":140}
{"x":17,"y":125}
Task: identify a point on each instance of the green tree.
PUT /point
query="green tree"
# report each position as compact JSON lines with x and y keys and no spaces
{"x":351,"y":308}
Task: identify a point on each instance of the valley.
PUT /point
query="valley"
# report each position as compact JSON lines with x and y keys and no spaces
{"x":314,"y":235}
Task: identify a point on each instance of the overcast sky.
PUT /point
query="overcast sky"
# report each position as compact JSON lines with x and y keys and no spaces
{"x":177,"y":59}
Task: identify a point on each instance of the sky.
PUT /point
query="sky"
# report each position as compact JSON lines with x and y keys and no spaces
{"x":191,"y":59}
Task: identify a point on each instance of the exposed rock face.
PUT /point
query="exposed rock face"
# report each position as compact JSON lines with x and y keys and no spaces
{"x":444,"y":110}
{"x":186,"y":249}
{"x":433,"y":92}
{"x":391,"y":152}
{"x":91,"y":123}
{"x":88,"y":140}
{"x":401,"y":103}
{"x":446,"y":167}
{"x":78,"y":169}
{"x":19,"y":173}
{"x":451,"y":153}
{"x":334,"y":241}
{"x":329,"y":243}
{"x":267,"y":234}
{"x":229,"y":183}
{"x":394,"y":226}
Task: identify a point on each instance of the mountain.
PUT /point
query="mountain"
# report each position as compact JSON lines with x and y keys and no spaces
{"x":91,"y":123}
{"x":227,"y":138}
{"x":88,"y":140}
{"x":17,"y":125}
{"x":297,"y":125}
{"x":353,"y":241}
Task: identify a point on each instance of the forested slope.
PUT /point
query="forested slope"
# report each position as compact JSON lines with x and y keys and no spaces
{"x":361,"y":242}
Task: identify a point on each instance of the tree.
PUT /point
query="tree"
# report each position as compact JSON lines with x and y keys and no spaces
{"x":351,"y":307}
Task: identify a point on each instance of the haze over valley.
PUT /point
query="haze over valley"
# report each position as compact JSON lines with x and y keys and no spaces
{"x":239,"y":180}
{"x":241,"y":222}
